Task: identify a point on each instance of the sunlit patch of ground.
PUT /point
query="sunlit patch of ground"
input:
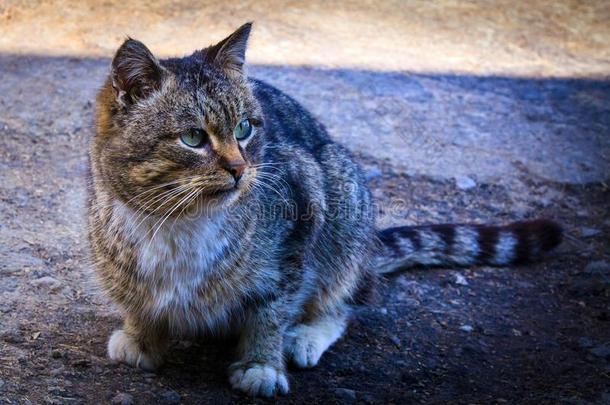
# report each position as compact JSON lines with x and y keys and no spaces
{"x":541,"y":38}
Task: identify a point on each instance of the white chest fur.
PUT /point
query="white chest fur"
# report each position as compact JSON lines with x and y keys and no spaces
{"x":174,"y":260}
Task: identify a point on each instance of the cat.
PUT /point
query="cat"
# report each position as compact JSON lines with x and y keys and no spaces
{"x":219,"y":205}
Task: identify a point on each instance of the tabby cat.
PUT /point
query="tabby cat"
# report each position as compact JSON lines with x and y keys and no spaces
{"x":219,"y":205}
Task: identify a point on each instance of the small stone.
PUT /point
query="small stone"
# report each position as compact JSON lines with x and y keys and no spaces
{"x":602,"y":351}
{"x":1,"y":383}
{"x":170,"y":397}
{"x":47,"y":282}
{"x":459,"y":279}
{"x":56,"y":354}
{"x":56,"y":371}
{"x":588,"y":287}
{"x":346,"y":394}
{"x":54,"y":389}
{"x":122,"y":399}
{"x":396,"y":340}
{"x":81,"y":363}
{"x":585,"y":342}
{"x":598,"y":268}
{"x":369,"y":399}
{"x":372,"y":174}
{"x":465,"y":182}
{"x":466,"y":328}
{"x":589,"y":232}
{"x":12,"y":337}
{"x":383,"y":311}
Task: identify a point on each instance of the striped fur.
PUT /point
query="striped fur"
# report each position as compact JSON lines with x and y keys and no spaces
{"x":278,"y":256}
{"x":466,"y":244}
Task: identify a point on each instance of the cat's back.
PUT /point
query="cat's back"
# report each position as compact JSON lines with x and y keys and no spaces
{"x":287,"y":121}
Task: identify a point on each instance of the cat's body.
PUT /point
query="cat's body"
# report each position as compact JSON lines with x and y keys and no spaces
{"x":269,"y":236}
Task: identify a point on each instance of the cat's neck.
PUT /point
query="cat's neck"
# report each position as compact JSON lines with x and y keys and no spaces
{"x":143,"y":227}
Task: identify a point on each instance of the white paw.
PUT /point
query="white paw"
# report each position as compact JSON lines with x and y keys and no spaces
{"x":305,"y":344}
{"x":123,"y":349}
{"x":258,"y":379}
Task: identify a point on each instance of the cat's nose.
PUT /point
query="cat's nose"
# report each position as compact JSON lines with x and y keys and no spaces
{"x":236,"y":168}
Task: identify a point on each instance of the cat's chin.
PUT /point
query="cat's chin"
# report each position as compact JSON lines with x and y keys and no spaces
{"x":213,"y":202}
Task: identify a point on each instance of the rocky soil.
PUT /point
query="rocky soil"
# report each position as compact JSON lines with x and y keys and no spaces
{"x":466,"y":145}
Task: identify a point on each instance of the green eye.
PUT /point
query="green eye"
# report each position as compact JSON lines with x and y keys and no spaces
{"x":194,"y":137}
{"x":243,"y":130}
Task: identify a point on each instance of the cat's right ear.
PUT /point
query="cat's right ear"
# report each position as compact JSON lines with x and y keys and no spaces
{"x":136,"y":73}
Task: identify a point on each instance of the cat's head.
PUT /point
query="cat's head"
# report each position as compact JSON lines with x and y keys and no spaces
{"x":175,"y":132}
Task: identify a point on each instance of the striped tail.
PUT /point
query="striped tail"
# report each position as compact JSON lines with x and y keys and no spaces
{"x":466,"y":245}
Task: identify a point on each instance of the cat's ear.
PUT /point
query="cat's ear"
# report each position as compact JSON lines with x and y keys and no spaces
{"x":135,"y":72}
{"x":230,"y":53}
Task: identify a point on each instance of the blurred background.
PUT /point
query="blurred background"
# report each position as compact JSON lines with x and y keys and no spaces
{"x":481,"y":111}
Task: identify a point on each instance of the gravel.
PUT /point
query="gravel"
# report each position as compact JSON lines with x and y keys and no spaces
{"x":533,"y":146}
{"x":47,"y":282}
{"x":346,"y":394}
{"x":170,"y":397}
{"x":122,"y":399}
{"x":602,"y":351}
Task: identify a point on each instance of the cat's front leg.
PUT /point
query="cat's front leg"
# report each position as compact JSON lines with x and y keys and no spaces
{"x":139,"y":344}
{"x":260,"y":370}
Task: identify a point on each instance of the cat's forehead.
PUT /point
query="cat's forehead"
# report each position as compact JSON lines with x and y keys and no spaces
{"x":194,"y":73}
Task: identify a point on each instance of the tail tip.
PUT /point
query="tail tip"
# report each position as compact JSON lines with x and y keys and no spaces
{"x":548,"y":232}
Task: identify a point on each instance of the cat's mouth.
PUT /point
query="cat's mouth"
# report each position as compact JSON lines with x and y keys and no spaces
{"x":222,"y":192}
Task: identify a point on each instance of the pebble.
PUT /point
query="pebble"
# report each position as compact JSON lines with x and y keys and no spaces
{"x":598,"y":268}
{"x":459,"y":279}
{"x":602,"y":351}
{"x":346,"y":394}
{"x":12,"y":337}
{"x":466,"y":328}
{"x":465,"y":182}
{"x":170,"y":397}
{"x":1,"y":383}
{"x":585,"y":342}
{"x":47,"y":282}
{"x":372,"y":174}
{"x":57,"y":354}
{"x":383,"y":311}
{"x":81,"y":363}
{"x":594,"y":280}
{"x":369,"y":399}
{"x":589,"y":232}
{"x":122,"y":399}
{"x":56,"y":371}
{"x":396,"y":340}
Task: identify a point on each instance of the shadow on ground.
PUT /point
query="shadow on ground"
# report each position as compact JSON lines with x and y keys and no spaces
{"x":518,"y":148}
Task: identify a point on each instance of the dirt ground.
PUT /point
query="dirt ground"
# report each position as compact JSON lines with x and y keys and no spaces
{"x":459,"y":111}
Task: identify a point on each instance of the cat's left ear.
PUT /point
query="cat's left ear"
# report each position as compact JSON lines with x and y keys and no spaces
{"x":230,"y":53}
{"x":135,"y":72}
